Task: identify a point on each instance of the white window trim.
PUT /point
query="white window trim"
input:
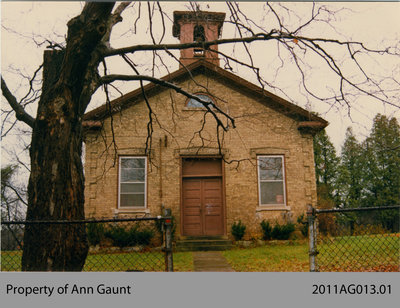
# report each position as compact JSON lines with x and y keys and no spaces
{"x":281,"y":205}
{"x":119,"y":185}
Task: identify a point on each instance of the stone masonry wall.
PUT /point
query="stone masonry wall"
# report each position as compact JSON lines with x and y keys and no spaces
{"x":259,"y":130}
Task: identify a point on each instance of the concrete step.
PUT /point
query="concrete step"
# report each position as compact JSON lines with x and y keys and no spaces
{"x":203,"y":248}
{"x":204,"y":237}
{"x":203,"y":242}
{"x":203,"y":245}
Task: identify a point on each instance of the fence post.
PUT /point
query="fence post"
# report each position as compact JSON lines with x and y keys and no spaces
{"x":312,"y":235}
{"x":169,"y":265}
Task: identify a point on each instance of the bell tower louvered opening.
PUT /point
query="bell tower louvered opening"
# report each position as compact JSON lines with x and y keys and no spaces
{"x":200,"y":27}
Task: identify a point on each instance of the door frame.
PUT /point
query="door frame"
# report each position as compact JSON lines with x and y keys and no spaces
{"x":205,"y":157}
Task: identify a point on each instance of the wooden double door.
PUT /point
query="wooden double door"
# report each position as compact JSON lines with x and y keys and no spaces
{"x":202,"y":198}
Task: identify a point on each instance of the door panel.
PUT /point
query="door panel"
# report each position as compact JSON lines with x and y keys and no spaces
{"x":202,"y":206}
{"x":192,"y":207}
{"x":212,"y":206}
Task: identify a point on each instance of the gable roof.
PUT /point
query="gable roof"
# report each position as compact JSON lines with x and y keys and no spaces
{"x":307,"y":121}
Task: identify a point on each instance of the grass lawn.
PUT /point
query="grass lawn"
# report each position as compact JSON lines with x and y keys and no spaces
{"x":380,"y":252}
{"x":277,"y":256}
{"x":146,"y":262}
{"x":183,"y":262}
{"x":113,"y":262}
{"x":11,"y":261}
{"x":350,"y":253}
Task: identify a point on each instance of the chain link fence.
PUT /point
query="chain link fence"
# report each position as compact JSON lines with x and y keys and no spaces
{"x":354,"y":240}
{"x":132,"y":244}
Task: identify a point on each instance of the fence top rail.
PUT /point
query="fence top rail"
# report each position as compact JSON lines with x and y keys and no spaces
{"x":86,"y":221}
{"x":360,"y":209}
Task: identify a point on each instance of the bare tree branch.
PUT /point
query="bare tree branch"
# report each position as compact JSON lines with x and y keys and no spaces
{"x":19,"y":111}
{"x":16,"y":193}
{"x":205,"y":45}
{"x":151,"y":113}
{"x":108,"y":102}
{"x":208,"y":105}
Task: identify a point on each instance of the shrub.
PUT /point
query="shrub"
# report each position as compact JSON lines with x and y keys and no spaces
{"x":95,"y":233}
{"x":369,"y":229}
{"x":326,"y":222}
{"x":119,"y":236}
{"x":142,"y":237}
{"x":267,"y":230}
{"x":123,"y":237}
{"x":278,"y":232}
{"x":238,"y":230}
{"x":303,"y":224}
{"x":282,"y":232}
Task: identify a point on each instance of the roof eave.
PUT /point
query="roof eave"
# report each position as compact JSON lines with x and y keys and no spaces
{"x":312,"y":127}
{"x":279,"y":103}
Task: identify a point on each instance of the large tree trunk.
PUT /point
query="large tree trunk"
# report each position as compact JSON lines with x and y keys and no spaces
{"x":55,"y":192}
{"x":56,"y":183}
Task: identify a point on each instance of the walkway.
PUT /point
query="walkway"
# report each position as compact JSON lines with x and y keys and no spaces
{"x":210,"y":261}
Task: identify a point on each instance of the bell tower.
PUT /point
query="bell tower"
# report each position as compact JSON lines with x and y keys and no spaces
{"x":198,"y":26}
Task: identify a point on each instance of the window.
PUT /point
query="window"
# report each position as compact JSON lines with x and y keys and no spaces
{"x":132,"y":182}
{"x":196,"y":104}
{"x":271,"y":180}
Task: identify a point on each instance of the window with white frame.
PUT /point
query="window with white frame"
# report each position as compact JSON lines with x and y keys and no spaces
{"x":271,"y":180}
{"x":132,"y":182}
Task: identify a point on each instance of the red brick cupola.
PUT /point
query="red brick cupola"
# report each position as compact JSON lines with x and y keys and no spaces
{"x":198,"y":26}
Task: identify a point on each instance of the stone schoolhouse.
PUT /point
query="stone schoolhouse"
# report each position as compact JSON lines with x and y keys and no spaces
{"x":262,"y":169}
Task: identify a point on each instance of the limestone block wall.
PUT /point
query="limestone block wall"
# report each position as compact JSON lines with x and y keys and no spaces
{"x":178,"y":132}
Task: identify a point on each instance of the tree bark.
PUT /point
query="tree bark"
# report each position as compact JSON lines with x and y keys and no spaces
{"x":56,"y":183}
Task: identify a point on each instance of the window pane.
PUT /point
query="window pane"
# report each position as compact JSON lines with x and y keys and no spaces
{"x":194,"y":103}
{"x":271,"y":193}
{"x":132,"y":162}
{"x":132,"y":188}
{"x":270,"y":168}
{"x":127,"y":200}
{"x":132,"y":182}
{"x":132,"y":175}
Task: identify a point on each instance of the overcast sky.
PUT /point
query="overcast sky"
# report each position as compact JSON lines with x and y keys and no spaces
{"x":25,"y":25}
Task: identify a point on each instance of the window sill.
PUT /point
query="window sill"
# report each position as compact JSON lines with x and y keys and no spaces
{"x":204,"y":109}
{"x":272,"y":207}
{"x":194,"y":109}
{"x":132,"y":210}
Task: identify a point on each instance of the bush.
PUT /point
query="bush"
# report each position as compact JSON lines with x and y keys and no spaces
{"x":303,"y":224}
{"x":282,"y":232}
{"x":122,"y":237}
{"x":267,"y":230}
{"x":278,"y":232}
{"x":326,"y":222}
{"x":95,"y":233}
{"x":142,"y":237}
{"x":369,"y":229}
{"x":238,"y":230}
{"x":119,"y":236}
